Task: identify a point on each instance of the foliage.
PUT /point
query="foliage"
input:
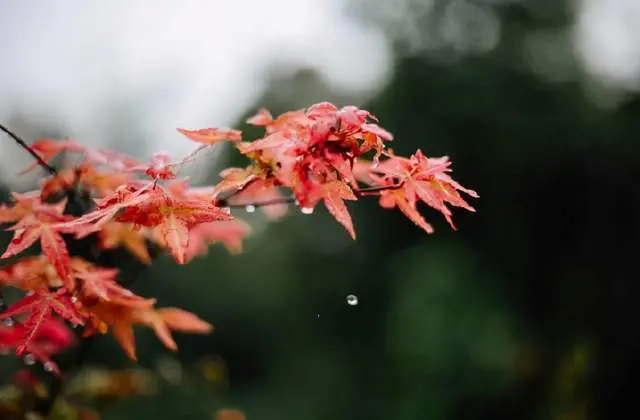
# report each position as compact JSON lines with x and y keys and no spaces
{"x":316,"y":154}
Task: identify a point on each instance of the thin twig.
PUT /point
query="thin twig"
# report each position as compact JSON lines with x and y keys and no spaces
{"x":361,"y":192}
{"x":29,"y":150}
{"x":265,"y":203}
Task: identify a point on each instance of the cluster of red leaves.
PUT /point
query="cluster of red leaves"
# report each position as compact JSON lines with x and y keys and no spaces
{"x":315,"y":153}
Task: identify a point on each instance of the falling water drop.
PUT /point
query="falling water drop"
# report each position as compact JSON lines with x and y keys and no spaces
{"x":29,"y":359}
{"x":306,"y":210}
{"x":250,"y":208}
{"x":352,"y":300}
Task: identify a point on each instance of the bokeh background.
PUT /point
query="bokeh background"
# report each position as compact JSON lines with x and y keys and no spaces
{"x":528,"y":311}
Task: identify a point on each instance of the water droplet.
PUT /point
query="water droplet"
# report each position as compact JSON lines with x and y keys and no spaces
{"x":49,"y":367}
{"x":250,"y":208}
{"x":29,"y":359}
{"x":8,"y":322}
{"x":318,"y":316}
{"x":352,"y":300}
{"x":306,"y":210}
{"x":74,"y":299}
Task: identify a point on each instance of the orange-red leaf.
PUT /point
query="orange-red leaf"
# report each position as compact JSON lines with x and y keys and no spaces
{"x":335,"y":193}
{"x":212,"y":135}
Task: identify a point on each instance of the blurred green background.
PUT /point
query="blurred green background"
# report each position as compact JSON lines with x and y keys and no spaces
{"x":528,"y":311}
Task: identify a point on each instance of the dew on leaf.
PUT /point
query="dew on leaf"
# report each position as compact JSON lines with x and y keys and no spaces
{"x":352,"y":300}
{"x":250,"y":208}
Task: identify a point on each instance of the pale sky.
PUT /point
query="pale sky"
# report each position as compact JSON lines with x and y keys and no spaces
{"x":164,"y":64}
{"x":199,"y":64}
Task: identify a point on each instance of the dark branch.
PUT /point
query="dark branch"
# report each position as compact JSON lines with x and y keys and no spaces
{"x":361,"y":192}
{"x":29,"y":150}
{"x":265,"y":203}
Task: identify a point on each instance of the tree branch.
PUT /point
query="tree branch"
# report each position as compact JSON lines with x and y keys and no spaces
{"x":361,"y":192}
{"x":29,"y":150}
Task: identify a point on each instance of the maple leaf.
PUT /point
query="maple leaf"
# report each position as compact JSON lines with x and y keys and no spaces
{"x":334,"y":195}
{"x":48,"y":149}
{"x":151,"y":206}
{"x":178,"y":217}
{"x":84,"y":176}
{"x":234,"y":179}
{"x":160,"y":167}
{"x":262,"y":118}
{"x":38,"y":307}
{"x":40,"y":224}
{"x":212,"y":135}
{"x":114,"y":234}
{"x":419,"y":179}
{"x":230,"y":233}
{"x":51,"y":337}
{"x":23,"y":205}
{"x":117,"y":161}
{"x":127,"y":195}
{"x":30,"y":273}
{"x":98,"y":283}
{"x":122,"y":317}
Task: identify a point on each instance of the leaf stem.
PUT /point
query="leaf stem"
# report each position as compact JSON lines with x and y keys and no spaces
{"x":29,"y":150}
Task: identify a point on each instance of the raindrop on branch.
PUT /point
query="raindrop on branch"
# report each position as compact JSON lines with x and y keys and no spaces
{"x":250,"y":208}
{"x":306,"y":210}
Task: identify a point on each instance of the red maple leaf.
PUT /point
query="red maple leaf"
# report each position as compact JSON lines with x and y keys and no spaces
{"x":212,"y":135}
{"x":40,"y":224}
{"x":37,"y":308}
{"x":230,"y":233}
{"x":419,"y":179}
{"x":51,"y":337}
